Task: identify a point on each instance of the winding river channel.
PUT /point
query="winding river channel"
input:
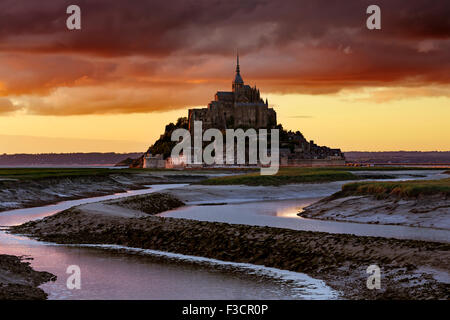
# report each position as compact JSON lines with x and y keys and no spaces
{"x":114,"y":272}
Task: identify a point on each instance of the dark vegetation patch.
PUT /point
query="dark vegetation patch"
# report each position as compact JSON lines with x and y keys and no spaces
{"x":305,"y":175}
{"x":284,"y":176}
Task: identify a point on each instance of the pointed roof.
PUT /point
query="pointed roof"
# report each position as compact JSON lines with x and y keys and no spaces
{"x":238,"y":78}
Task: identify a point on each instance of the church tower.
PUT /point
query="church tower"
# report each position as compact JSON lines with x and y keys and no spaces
{"x":238,"y":82}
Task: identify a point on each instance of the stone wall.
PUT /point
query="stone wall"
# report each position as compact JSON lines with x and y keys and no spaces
{"x":232,"y":116}
{"x":154,"y":162}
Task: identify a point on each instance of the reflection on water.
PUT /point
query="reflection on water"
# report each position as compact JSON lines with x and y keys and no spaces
{"x":283,"y":214}
{"x":286,"y":208}
{"x":119,"y":274}
{"x":114,"y":274}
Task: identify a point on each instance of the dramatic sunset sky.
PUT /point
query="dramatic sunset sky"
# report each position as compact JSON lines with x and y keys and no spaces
{"x":137,"y":65}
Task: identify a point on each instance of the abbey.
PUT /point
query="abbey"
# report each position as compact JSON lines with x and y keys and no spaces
{"x":240,"y":108}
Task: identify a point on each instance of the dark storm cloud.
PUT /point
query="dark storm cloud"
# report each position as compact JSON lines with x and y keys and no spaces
{"x":286,"y":46}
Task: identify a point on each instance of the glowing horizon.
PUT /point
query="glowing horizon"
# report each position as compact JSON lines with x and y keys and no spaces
{"x":113,"y":87}
{"x":371,"y":130}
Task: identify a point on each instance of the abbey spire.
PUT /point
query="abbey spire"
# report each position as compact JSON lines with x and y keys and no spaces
{"x":238,"y":82}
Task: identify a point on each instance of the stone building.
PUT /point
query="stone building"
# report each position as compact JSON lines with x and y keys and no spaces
{"x":153,"y":161}
{"x":243,"y":107}
{"x":240,"y":108}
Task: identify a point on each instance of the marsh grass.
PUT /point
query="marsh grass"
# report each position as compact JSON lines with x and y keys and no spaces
{"x":43,"y":173}
{"x":304,"y":175}
{"x":401,"y":189}
{"x":249,"y":176}
{"x":49,"y":173}
{"x":284,"y":176}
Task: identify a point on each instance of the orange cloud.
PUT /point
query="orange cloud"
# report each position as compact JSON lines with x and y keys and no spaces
{"x":156,"y":56}
{"x":6,"y":106}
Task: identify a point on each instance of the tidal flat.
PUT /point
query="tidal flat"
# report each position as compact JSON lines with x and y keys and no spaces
{"x":417,"y":203}
{"x":411,"y":269}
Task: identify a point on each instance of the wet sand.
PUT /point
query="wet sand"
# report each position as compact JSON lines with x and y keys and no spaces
{"x":410,"y":269}
{"x":424,"y":212}
{"x":199,"y":194}
{"x":149,"y":274}
{"x":284,"y":214}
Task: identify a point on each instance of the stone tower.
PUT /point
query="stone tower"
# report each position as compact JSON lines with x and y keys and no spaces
{"x":240,"y":108}
{"x":238,"y":83}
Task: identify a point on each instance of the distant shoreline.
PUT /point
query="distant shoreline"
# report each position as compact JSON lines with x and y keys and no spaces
{"x":62,"y":166}
{"x":101,"y":159}
{"x":437,"y":165}
{"x":77,"y":159}
{"x":409,"y":158}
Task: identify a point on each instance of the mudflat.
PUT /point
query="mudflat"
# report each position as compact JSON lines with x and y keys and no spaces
{"x":410,"y":269}
{"x":18,"y":281}
{"x":417,"y":203}
{"x":427,"y":211}
{"x":25,"y":192}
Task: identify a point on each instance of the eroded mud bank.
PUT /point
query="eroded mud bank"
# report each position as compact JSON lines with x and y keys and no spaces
{"x":431,"y":211}
{"x":18,"y":281}
{"x":410,"y":269}
{"x":15,"y":194}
